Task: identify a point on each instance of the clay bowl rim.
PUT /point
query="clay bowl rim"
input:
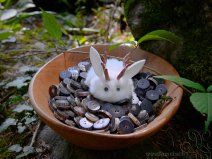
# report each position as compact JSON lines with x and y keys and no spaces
{"x":140,"y":133}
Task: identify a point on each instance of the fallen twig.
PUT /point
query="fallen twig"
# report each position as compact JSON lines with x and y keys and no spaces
{"x":35,"y":134}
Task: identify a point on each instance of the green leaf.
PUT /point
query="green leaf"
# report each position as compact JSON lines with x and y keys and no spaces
{"x":51,"y":25}
{"x":4,"y":34}
{"x":111,"y":47}
{"x":183,"y":81}
{"x":203,"y":102}
{"x":160,"y":35}
{"x":209,"y":89}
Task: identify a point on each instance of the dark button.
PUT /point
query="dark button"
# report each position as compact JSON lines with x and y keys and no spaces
{"x":53,"y":91}
{"x":117,"y":111}
{"x":60,"y":97}
{"x":125,"y":127}
{"x":141,"y":75}
{"x":62,"y":114}
{"x":52,"y":104}
{"x":152,"y":95}
{"x":62,"y":102}
{"x":114,"y":124}
{"x":135,"y":109}
{"x":69,"y":113}
{"x":101,"y":123}
{"x":65,"y":74}
{"x":61,"y":118}
{"x":135,"y":82}
{"x":93,"y":106}
{"x":85,"y":124}
{"x":143,"y":84}
{"x":64,"y":107}
{"x":124,"y":118}
{"x":75,"y":84}
{"x":106,"y":106}
{"x":140,"y":92}
{"x":81,"y":93}
{"x":161,"y":88}
{"x":71,"y":100}
{"x":70,"y":89}
{"x":146,"y":105}
{"x":64,"y":91}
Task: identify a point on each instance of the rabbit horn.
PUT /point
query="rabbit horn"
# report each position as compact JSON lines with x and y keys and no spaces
{"x":107,"y":77}
{"x":122,"y":71}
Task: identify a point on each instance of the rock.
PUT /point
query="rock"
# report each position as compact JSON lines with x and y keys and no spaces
{"x":61,"y":149}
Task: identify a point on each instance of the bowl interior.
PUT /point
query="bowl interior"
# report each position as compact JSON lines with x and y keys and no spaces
{"x":49,"y":74}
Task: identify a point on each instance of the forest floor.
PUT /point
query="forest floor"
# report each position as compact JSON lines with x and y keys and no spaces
{"x":29,"y":47}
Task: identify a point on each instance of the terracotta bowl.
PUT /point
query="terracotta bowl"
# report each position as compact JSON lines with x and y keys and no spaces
{"x":49,"y":74}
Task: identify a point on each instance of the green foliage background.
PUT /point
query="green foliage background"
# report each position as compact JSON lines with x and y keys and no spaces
{"x":188,"y":19}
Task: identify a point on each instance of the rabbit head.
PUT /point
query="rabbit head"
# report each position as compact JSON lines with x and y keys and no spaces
{"x":110,"y":80}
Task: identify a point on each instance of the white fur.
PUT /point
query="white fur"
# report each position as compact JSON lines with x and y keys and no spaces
{"x":96,"y":80}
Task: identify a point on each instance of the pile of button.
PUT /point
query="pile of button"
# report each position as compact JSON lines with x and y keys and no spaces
{"x":72,"y":103}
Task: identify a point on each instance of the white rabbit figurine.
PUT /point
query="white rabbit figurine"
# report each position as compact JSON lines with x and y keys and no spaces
{"x":110,"y":79}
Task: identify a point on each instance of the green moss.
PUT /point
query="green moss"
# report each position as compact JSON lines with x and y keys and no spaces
{"x":188,"y":20}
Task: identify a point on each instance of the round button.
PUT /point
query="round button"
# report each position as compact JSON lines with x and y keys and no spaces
{"x":161,"y":88}
{"x":152,"y":95}
{"x":106,"y":106}
{"x":125,"y":127}
{"x":147,"y":105}
{"x":85,"y":123}
{"x":117,"y":111}
{"x":102,"y":123}
{"x":93,"y":106}
{"x":143,"y":84}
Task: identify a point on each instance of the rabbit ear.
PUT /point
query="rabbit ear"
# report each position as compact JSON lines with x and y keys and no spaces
{"x":96,"y":62}
{"x":133,"y":69}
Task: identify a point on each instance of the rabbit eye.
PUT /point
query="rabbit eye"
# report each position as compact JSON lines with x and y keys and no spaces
{"x":118,"y":89}
{"x":105,"y":89}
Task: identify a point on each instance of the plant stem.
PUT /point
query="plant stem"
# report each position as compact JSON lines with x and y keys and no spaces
{"x":184,"y":88}
{"x":110,"y":20}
